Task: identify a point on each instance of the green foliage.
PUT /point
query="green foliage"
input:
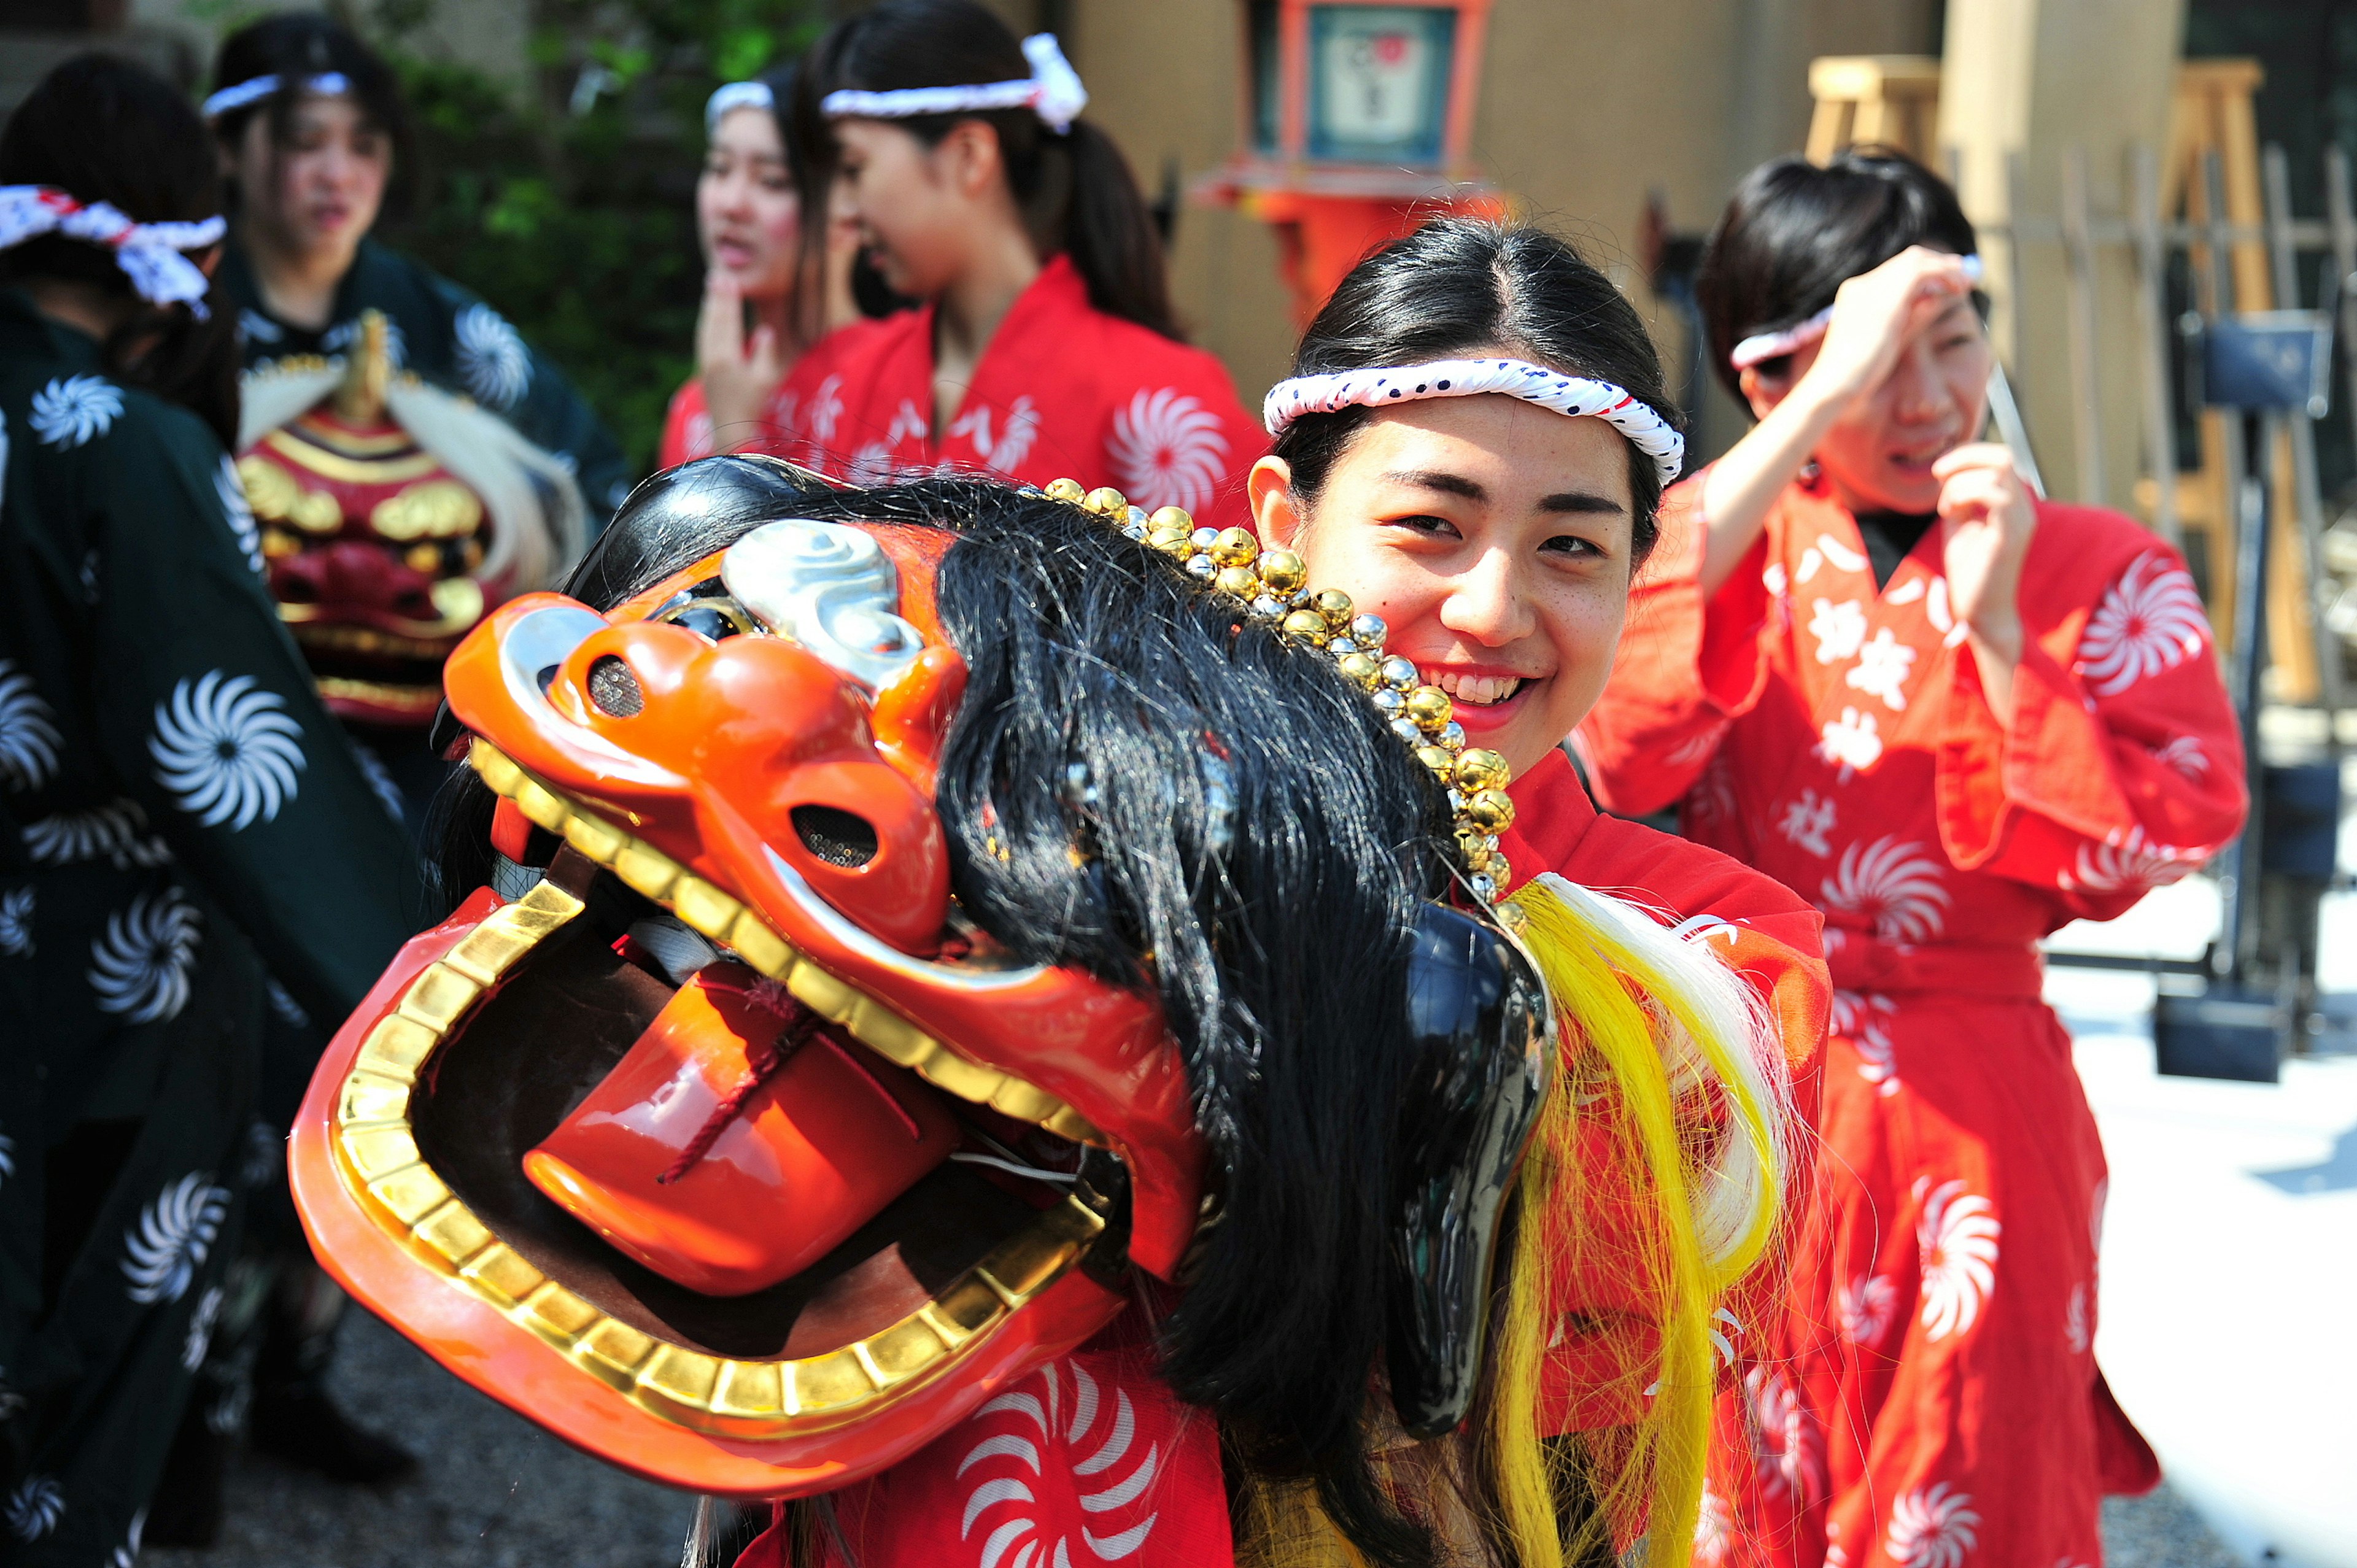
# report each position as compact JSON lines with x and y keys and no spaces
{"x":566,"y":197}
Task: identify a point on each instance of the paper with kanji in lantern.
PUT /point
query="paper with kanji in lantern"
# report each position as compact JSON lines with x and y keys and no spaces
{"x":1937,"y":1403}
{"x":1063,"y":391}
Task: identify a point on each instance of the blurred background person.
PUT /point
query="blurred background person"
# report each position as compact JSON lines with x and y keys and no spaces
{"x":752,"y":329}
{"x":312,"y":133}
{"x":1955,"y":716}
{"x":179,"y":810}
{"x":1045,"y":345}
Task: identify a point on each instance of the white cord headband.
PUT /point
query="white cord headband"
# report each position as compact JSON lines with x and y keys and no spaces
{"x":148,"y":253}
{"x":255,"y":89}
{"x":735,"y":95}
{"x":1052,"y":90}
{"x":1761,"y":347}
{"x":1572,"y":396}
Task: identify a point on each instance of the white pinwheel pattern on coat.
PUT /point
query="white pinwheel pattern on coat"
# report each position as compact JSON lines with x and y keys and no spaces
{"x":492,"y":360}
{"x":2150,"y":620}
{"x":1787,"y":1447}
{"x":163,"y":1250}
{"x":1714,"y":1529}
{"x":30,"y":741}
{"x":240,"y":512}
{"x":116,"y":832}
{"x":1863,"y":1021}
{"x":16,"y":925}
{"x":35,"y":1507}
{"x":128,"y":1553}
{"x":74,"y":411}
{"x":1015,"y":433}
{"x":1956,"y":1237}
{"x":1895,"y":884}
{"x":2077,"y":1332}
{"x":227,"y":750}
{"x":1166,"y":449}
{"x":1933,"y":1527}
{"x":8,"y":1157}
{"x":139,"y":964}
{"x":2133,"y":865}
{"x":202,"y":1322}
{"x":1033,"y":1432}
{"x":2184,"y":755}
{"x":1868,"y":1304}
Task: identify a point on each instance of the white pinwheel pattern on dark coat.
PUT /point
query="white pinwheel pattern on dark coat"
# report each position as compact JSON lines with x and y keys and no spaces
{"x":116,"y":832}
{"x":492,"y":358}
{"x":35,"y":1507}
{"x":73,"y":410}
{"x":139,"y":965}
{"x":163,"y":1250}
{"x":240,"y":512}
{"x":226,"y":750}
{"x":202,"y":1322}
{"x":1166,"y":449}
{"x":8,"y":1158}
{"x":30,"y":741}
{"x":17,"y":924}
{"x":128,"y":1553}
{"x":1094,"y":1441}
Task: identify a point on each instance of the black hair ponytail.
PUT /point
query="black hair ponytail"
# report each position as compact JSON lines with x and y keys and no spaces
{"x":103,"y":128}
{"x":1462,"y":286}
{"x":1075,"y":191}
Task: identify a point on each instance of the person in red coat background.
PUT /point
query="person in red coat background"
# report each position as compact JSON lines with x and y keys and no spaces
{"x":1954,"y":716}
{"x":1044,"y":345}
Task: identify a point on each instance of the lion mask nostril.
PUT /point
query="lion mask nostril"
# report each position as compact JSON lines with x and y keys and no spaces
{"x":836,"y":837}
{"x":615,"y":689}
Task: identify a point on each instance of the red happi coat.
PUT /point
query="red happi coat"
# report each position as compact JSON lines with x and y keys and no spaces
{"x":1093,"y":1460}
{"x":1941,"y":1406}
{"x":1063,"y":391}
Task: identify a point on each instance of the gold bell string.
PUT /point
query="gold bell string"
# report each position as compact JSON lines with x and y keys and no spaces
{"x":1273,"y":585}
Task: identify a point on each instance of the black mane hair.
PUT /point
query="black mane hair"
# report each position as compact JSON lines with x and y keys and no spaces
{"x":1460,"y":286}
{"x":1074,"y":191}
{"x":103,"y":129}
{"x":1257,"y":845}
{"x":1793,"y":232}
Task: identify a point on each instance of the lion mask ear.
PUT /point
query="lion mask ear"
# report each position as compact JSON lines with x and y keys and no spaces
{"x":1480,"y":1023}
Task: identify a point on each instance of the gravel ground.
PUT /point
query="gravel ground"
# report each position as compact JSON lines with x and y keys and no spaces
{"x":496,"y":1492}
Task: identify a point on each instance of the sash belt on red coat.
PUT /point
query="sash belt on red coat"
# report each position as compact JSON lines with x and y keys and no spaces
{"x":1994,"y":971}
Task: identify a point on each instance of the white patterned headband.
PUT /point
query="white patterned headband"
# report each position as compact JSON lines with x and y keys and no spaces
{"x":733,"y":96}
{"x":1052,"y":90}
{"x":1761,"y":347}
{"x":1573,"y":395}
{"x":255,"y":89}
{"x":148,"y":253}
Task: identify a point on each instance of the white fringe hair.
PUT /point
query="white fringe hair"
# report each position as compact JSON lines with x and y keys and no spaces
{"x":536,"y":534}
{"x":1744,"y":1043}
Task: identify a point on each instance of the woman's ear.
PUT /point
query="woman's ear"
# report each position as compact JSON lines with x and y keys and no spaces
{"x":973,"y":158}
{"x":1761,"y":394}
{"x":1277,"y":517}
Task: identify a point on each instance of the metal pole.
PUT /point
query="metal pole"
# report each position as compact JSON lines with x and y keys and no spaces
{"x":2306,"y":491}
{"x":2220,"y":301}
{"x":2240,"y":872}
{"x":2079,"y":255}
{"x":2152,"y":320}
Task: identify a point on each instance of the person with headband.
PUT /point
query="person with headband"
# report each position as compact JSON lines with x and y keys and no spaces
{"x":748,"y":221}
{"x":312,"y":133}
{"x":177,"y":811}
{"x":1044,"y":343}
{"x":1874,"y":663}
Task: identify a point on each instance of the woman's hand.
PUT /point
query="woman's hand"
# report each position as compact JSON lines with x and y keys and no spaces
{"x":1876,"y":314}
{"x":740,"y":376}
{"x":1986,"y":520}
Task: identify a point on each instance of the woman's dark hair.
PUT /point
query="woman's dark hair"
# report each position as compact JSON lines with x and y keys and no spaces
{"x":1075,"y":191}
{"x":1792,"y":233}
{"x":1469,"y":286}
{"x":295,"y":45}
{"x":1086,"y":650}
{"x":103,"y":128}
{"x":868,"y":290}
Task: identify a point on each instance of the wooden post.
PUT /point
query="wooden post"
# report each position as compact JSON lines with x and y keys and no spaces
{"x":1890,"y":100}
{"x":2222,"y":432}
{"x":2152,"y":340}
{"x":2306,"y":667}
{"x":2086,"y":400}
